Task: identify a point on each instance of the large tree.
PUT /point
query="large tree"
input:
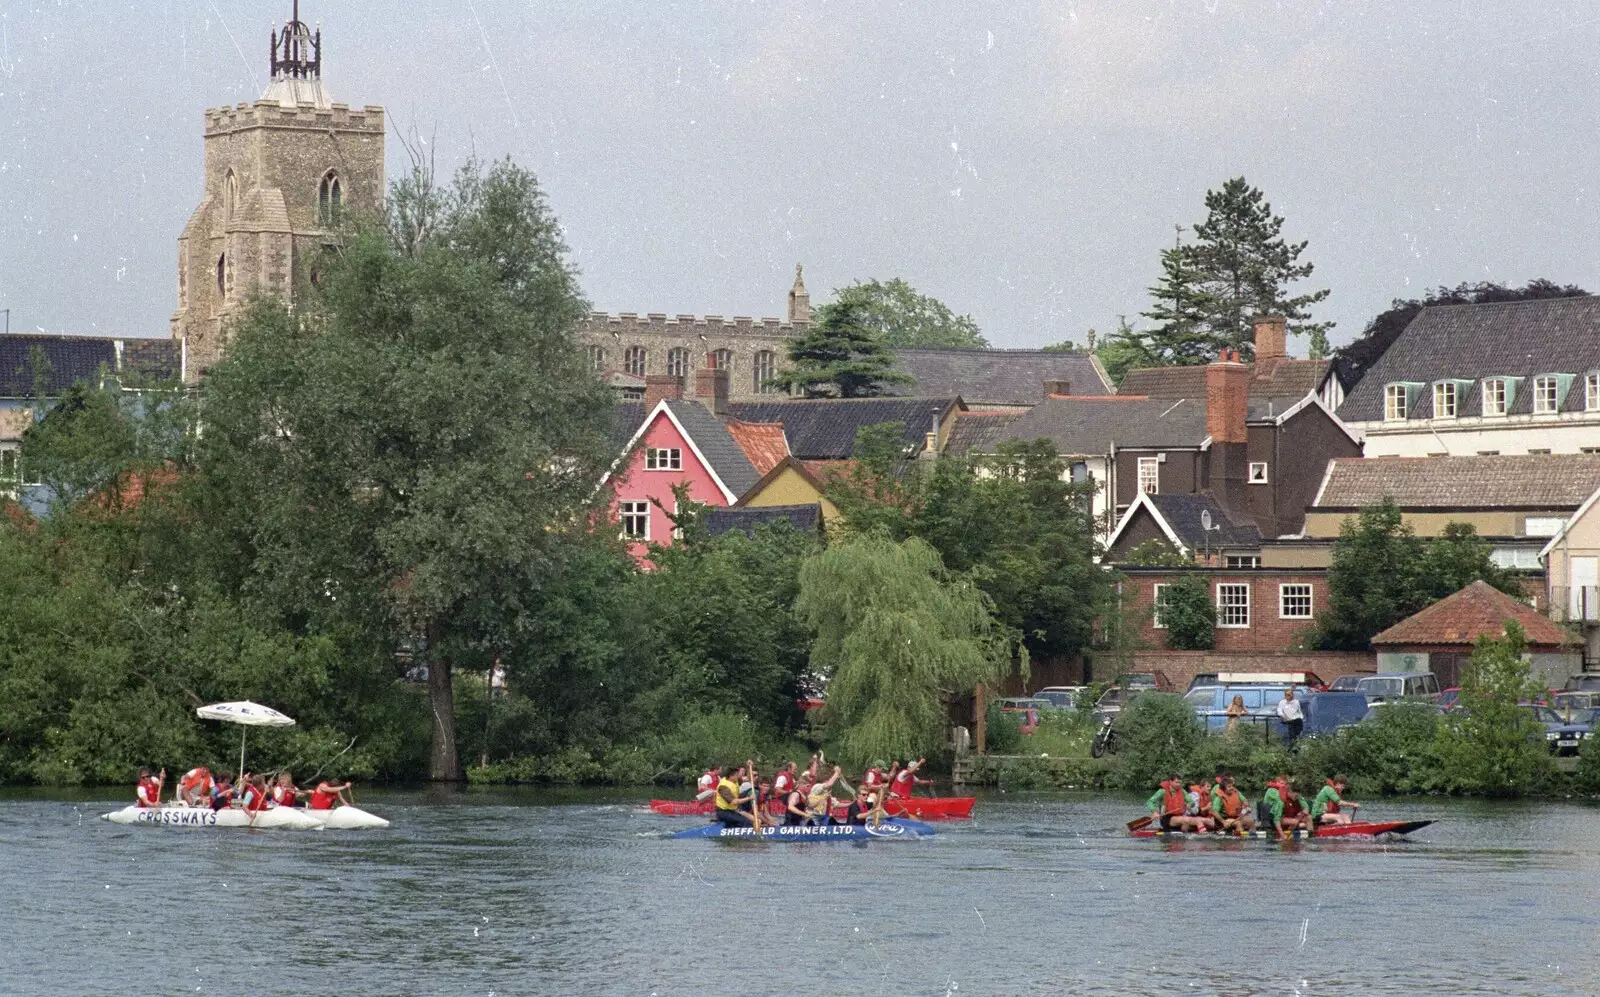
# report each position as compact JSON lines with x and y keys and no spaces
{"x":412,"y":450}
{"x":897,"y":314}
{"x":840,"y":356}
{"x":1182,"y":315}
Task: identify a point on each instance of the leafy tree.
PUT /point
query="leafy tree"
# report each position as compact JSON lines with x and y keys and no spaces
{"x":1158,"y":553}
{"x":896,"y":632}
{"x":1493,"y":744}
{"x":1189,"y":615}
{"x":840,"y":355}
{"x":1160,"y":737}
{"x":408,"y":456}
{"x":1355,"y":358}
{"x":896,"y":314}
{"x":92,"y":438}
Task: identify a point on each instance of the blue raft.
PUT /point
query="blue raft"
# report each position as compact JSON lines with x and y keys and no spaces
{"x":889,"y":830}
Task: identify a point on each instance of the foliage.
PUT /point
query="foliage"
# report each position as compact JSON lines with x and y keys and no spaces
{"x":840,"y":356}
{"x":1158,"y":735}
{"x":95,"y":439}
{"x":897,"y":315}
{"x":1002,"y":730}
{"x":1124,"y":350}
{"x":1181,"y":310}
{"x":1158,"y":552}
{"x":1381,"y":573}
{"x":1493,"y":744}
{"x":895,"y":633}
{"x":1189,"y":615}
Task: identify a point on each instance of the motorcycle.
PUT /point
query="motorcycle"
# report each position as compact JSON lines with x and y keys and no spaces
{"x":1105,"y":739}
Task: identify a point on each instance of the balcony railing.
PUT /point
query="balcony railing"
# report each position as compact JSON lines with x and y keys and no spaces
{"x":1575,"y":603}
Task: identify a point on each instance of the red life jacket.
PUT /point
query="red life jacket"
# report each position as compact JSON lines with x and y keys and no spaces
{"x":1291,"y":804}
{"x":874,"y":777}
{"x":148,"y":792}
{"x":321,"y":799}
{"x":1173,"y":799}
{"x":284,"y":796}
{"x":256,"y":799}
{"x":782,"y":783}
{"x":707,"y":780}
{"x":195,"y":779}
{"x":903,"y":783}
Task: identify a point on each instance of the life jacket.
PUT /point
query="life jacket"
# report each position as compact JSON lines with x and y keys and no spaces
{"x":1333,"y":804}
{"x":1232,"y":803}
{"x":706,"y":781}
{"x":284,"y":796}
{"x":148,"y":792}
{"x":196,"y":780}
{"x":782,"y":783}
{"x":873,"y":777}
{"x":733,"y":790}
{"x":903,"y":783}
{"x":1173,"y":799}
{"x":322,"y":799}
{"x":256,"y":799}
{"x":1291,"y":805}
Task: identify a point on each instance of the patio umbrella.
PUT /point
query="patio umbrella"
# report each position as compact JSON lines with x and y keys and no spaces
{"x":246,"y":714}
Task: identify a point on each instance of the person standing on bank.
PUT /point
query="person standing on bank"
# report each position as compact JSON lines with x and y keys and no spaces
{"x":1294,"y":719}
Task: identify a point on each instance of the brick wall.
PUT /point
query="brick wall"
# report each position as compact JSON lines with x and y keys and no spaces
{"x":658,"y":335}
{"x":1181,"y":666}
{"x":1268,"y":630}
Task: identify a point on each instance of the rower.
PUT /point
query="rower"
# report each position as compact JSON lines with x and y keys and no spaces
{"x":222,"y":792}
{"x":906,"y":780}
{"x":284,"y":793}
{"x":706,"y":786}
{"x":1230,"y":808}
{"x":1328,"y":807}
{"x":147,"y":792}
{"x":1294,"y":810}
{"x":194,"y":788}
{"x":256,"y":797}
{"x":819,"y":799}
{"x":1197,"y":807}
{"x":872,"y":778}
{"x":1168,"y":803}
{"x":327,"y":794}
{"x":795,"y":813}
{"x":860,"y":809}
{"x":783,"y":782}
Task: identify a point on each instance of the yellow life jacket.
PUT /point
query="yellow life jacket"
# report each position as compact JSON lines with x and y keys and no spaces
{"x":733,"y":791}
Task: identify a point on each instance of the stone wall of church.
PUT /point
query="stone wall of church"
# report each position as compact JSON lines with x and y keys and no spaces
{"x":641,"y":345}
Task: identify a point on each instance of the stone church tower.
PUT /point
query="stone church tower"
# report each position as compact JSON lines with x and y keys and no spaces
{"x":279,"y":174}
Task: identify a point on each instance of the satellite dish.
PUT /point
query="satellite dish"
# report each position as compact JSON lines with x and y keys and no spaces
{"x":1205,"y":519}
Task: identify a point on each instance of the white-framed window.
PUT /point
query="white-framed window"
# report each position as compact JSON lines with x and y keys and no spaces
{"x":1395,"y":397}
{"x":1591,"y":391}
{"x":663,"y":459}
{"x":1546,"y":395}
{"x":1150,"y":475}
{"x":1233,"y":605}
{"x":1444,"y":400}
{"x":635,"y":520}
{"x":721,"y":359}
{"x":633,"y":360}
{"x":678,"y":362}
{"x":1242,"y":561}
{"x":1258,"y":472}
{"x":1294,"y":601}
{"x":597,"y":357}
{"x":1158,"y":596}
{"x":1543,"y":526}
{"x":330,"y":199}
{"x":1494,"y":396}
{"x":765,"y":367}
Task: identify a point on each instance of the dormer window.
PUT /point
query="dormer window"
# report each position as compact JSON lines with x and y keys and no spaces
{"x":1396,"y":402}
{"x":1546,"y":394}
{"x":1591,"y":392}
{"x":1494,"y":396}
{"x":1444,"y":400}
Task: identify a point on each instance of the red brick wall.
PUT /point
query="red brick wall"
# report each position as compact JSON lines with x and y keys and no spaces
{"x":1267,"y":630}
{"x":1181,"y":666}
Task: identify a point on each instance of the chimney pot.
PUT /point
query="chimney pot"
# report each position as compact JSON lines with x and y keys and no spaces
{"x":660,"y":386}
{"x":711,"y":389}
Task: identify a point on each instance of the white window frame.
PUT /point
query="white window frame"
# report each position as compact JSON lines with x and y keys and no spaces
{"x":1591,"y":392}
{"x":634,"y":359}
{"x":1496,"y":396}
{"x":678,"y":361}
{"x":1154,"y":477}
{"x":717,"y":357}
{"x":1254,"y":478}
{"x":1546,"y":394}
{"x":1445,"y":398}
{"x":663,"y":459}
{"x":1302,"y":590}
{"x":1155,"y":604}
{"x":1396,"y":399}
{"x":631,"y":509}
{"x":1230,"y":561}
{"x":1224,"y":607}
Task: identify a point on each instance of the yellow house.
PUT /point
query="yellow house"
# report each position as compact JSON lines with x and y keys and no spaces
{"x":789,"y":482}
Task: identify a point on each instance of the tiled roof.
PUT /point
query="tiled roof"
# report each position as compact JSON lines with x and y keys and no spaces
{"x":1091,"y":425}
{"x":1478,"y":610}
{"x":717,"y":444}
{"x":625,"y":422}
{"x":1293,"y":379}
{"x":1183,"y":514}
{"x":995,"y":377}
{"x":804,"y":518}
{"x":825,"y":428}
{"x":67,"y":359}
{"x":155,"y":359}
{"x":1533,"y":481}
{"x":1472,"y":342}
{"x":762,"y":442}
{"x":981,"y":429}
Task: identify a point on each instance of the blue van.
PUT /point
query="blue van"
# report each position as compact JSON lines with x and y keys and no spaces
{"x":1210,"y":703}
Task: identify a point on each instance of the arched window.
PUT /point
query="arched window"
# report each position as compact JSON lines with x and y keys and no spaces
{"x":230,"y":198}
{"x":766,"y":366}
{"x":720,"y":359}
{"x":677,"y":362}
{"x":222,"y":274}
{"x":597,"y":358}
{"x":633,"y":360}
{"x":330,"y":196}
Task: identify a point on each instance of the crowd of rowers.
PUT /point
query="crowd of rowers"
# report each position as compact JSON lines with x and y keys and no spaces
{"x":743,"y":797}
{"x":255,"y":792}
{"x":1221,"y":809}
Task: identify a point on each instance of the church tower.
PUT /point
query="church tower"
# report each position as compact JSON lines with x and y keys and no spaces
{"x":279,"y":174}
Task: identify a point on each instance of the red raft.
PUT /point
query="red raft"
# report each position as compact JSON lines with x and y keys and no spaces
{"x":1355,"y":829}
{"x":920,"y":807}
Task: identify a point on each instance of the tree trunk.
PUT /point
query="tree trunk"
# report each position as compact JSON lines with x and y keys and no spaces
{"x":444,"y":761}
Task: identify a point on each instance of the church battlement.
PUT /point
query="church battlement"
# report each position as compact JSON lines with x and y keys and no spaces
{"x":681,"y":325}
{"x":272,"y":114}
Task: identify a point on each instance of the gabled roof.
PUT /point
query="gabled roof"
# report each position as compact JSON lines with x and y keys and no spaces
{"x":807,"y":474}
{"x":1180,"y":519}
{"x":996,"y":377}
{"x":803,"y":518}
{"x":762,"y":442}
{"x":1572,"y":520}
{"x":717,"y":448}
{"x":67,"y":360}
{"x":1083,"y":426}
{"x":1292,"y":379}
{"x":1523,"y":481}
{"x":981,"y":429}
{"x":1472,"y":342}
{"x":1479,"y":610}
{"x":825,"y":428}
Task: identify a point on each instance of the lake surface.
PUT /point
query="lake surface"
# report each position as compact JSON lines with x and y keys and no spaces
{"x":510,"y":893}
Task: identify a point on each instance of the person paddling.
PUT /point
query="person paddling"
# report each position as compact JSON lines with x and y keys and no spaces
{"x":872,"y":778}
{"x":284,"y":793}
{"x":795,"y":813}
{"x":195,"y":786}
{"x":256,"y":798}
{"x":1294,"y":809}
{"x":726,"y":808}
{"x":1197,"y":807}
{"x":1168,"y":803}
{"x":860,"y":809}
{"x":1230,"y":808}
{"x":706,"y":785}
{"x":783,"y":783}
{"x":327,"y":794}
{"x":1328,"y":807}
{"x":819,"y":799}
{"x":904,"y":782}
{"x":222,"y":792}
{"x":147,"y":792}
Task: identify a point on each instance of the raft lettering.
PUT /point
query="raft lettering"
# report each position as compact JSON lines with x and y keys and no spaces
{"x":186,"y":818}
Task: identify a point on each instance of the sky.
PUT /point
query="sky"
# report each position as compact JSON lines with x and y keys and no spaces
{"x":1023,"y":162}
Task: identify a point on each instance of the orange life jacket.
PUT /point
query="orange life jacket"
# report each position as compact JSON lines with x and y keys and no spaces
{"x":1231,"y":802}
{"x":1173,"y":800}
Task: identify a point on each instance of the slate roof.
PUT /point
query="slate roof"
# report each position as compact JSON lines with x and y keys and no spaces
{"x":1529,"y":481}
{"x":155,"y":359}
{"x":626,"y":420}
{"x":762,"y":442}
{"x":981,"y":429}
{"x":718,"y":446}
{"x":804,"y":518}
{"x":1293,"y":379}
{"x":1473,"y":342}
{"x":1478,"y":610}
{"x":1092,"y":425}
{"x":1182,"y":513}
{"x":68,"y":359}
{"x":995,"y":377}
{"x":825,"y":428}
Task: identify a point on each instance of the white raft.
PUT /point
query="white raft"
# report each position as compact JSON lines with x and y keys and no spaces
{"x":278,"y":818}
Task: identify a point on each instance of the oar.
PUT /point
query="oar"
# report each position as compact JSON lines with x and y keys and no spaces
{"x":1141,"y":823}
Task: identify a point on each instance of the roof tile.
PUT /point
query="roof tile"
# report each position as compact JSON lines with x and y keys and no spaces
{"x":1549,"y":481}
{"x":1479,"y":610}
{"x":995,"y":377}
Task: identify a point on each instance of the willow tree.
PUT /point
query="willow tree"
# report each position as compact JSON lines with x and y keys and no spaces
{"x":896,"y":633}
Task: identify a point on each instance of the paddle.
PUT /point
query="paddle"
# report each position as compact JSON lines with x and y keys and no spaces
{"x":1140,"y":823}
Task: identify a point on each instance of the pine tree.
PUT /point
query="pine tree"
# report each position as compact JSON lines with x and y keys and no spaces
{"x":1182,"y":309}
{"x":839,"y":356}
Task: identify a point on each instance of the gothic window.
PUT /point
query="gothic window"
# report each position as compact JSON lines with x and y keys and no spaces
{"x":330,"y":196}
{"x":721,"y":359}
{"x":230,"y":198}
{"x":597,"y":357}
{"x":764,"y":369}
{"x":222,"y":274}
{"x":633,"y":360}
{"x":677,"y":362}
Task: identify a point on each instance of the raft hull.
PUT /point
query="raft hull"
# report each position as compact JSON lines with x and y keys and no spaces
{"x":279,"y":818}
{"x":1361,"y":829}
{"x":346,"y":819}
{"x":921,"y":807}
{"x":889,"y":830}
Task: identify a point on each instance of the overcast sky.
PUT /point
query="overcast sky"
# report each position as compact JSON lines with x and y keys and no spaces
{"x":1024,"y":162}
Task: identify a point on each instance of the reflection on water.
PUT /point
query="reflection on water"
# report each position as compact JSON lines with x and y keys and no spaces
{"x":540,"y":893}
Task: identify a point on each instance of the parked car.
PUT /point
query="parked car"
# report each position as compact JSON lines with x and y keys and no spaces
{"x":1386,"y":688}
{"x":1116,"y":697}
{"x":1145,"y":680}
{"x":1450,"y":698}
{"x":1202,"y":678}
{"x":1025,"y":711}
{"x":1564,"y":733}
{"x":1330,"y":711}
{"x":1311,"y":680}
{"x":1564,"y":701}
{"x":1345,"y":683}
{"x":1583,"y":682}
{"x":1060,"y":697}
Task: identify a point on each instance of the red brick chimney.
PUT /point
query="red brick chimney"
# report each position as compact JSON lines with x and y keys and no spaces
{"x":711,"y":389}
{"x":1272,"y":335}
{"x":1227,"y":393}
{"x":659,"y":386}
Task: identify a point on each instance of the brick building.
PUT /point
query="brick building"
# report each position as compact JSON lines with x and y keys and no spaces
{"x":1258,"y":610}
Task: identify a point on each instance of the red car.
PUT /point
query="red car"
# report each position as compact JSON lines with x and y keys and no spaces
{"x":1026,"y":710}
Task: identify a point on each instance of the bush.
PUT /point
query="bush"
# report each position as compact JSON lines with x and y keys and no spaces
{"x":1189,"y":615}
{"x":1159,"y":736}
{"x":1003,"y":731}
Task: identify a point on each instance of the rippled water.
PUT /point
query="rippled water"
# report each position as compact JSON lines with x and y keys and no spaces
{"x":507,"y":893}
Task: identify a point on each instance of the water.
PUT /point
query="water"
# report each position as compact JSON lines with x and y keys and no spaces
{"x":538,"y":893}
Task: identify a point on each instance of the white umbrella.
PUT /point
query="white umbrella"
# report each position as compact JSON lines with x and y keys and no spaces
{"x":247,"y":714}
